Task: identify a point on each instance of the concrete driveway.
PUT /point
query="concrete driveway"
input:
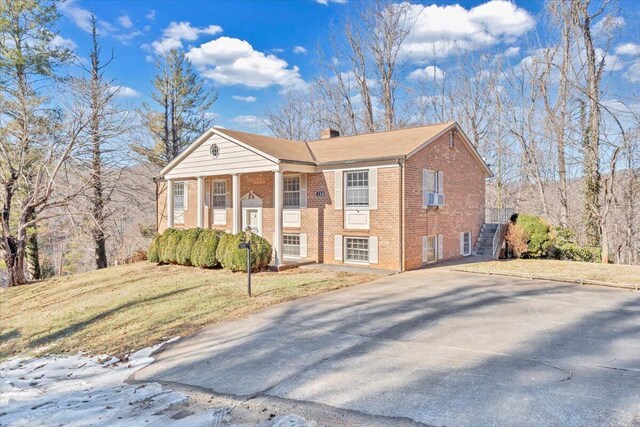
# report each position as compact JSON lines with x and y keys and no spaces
{"x":433,"y":346}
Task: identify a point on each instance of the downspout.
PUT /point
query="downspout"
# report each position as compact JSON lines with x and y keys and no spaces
{"x":402,"y":217}
{"x":155,"y":180}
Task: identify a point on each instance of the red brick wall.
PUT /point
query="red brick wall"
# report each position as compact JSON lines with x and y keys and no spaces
{"x":464,"y":199}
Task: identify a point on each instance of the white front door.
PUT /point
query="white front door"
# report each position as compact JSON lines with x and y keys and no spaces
{"x":252,"y":218}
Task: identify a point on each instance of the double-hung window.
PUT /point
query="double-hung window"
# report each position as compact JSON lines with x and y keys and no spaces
{"x":432,"y":188}
{"x":179,"y":201}
{"x":291,"y":186}
{"x":357,"y":249}
{"x":291,"y":245}
{"x":466,"y":243}
{"x":431,"y":249}
{"x":357,"y":189}
{"x":219,"y":194}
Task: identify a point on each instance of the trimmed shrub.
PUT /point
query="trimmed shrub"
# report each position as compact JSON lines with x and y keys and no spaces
{"x":235,"y":259}
{"x":162,"y":243}
{"x":170,"y":245}
{"x":540,"y":239}
{"x":184,"y":249}
{"x":204,"y":250}
{"x":153,"y":254}
{"x":517,"y":239}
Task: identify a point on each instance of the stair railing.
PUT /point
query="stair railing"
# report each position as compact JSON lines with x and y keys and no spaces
{"x":498,"y":216}
{"x":497,"y":241}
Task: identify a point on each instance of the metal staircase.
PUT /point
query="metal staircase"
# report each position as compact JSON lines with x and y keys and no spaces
{"x":492,"y":232}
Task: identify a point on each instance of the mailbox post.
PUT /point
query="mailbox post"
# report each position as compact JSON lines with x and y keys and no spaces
{"x":247,"y":245}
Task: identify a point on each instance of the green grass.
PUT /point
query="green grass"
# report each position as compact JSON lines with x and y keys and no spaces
{"x":559,"y":270}
{"x":122,"y":309}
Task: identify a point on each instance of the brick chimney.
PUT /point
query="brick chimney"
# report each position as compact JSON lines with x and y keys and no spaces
{"x":329,"y":133}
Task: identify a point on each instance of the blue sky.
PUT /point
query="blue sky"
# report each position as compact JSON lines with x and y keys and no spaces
{"x":252,"y":51}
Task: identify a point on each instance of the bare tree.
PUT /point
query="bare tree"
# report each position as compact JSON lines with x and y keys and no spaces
{"x":296,"y":117}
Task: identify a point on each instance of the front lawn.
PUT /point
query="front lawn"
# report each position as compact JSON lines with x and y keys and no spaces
{"x":121,"y":309}
{"x":559,"y":270}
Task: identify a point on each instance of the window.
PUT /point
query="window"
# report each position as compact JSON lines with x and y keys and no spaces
{"x":466,"y":243}
{"x":214,"y":150}
{"x":357,"y":249}
{"x":357,"y":188}
{"x":179,"y":196}
{"x":432,"y":188}
{"x":431,"y":253}
{"x":219,"y":194}
{"x":291,"y":245}
{"x":291,"y":186}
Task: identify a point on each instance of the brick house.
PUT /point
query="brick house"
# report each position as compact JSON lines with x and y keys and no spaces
{"x":396,"y":200}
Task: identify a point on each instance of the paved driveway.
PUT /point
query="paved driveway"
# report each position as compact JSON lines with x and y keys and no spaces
{"x":434,"y":346}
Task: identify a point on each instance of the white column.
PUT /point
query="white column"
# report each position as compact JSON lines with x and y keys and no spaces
{"x":170,"y":203}
{"x":235,"y":203}
{"x":277,"y":198}
{"x":200,"y":215}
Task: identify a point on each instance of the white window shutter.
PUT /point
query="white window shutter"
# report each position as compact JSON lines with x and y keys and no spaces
{"x":337,"y":195}
{"x":461,"y":243}
{"x":303,"y":190}
{"x":373,"y":249}
{"x":186,"y":195}
{"x":303,"y":245}
{"x":440,"y":182}
{"x":440,"y":247}
{"x":373,"y":188}
{"x":425,"y":190}
{"x":337,"y":247}
{"x":425,"y":245}
{"x":208,"y":198}
{"x":227,"y":188}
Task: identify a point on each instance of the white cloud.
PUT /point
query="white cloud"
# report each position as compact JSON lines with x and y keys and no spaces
{"x":608,"y":23}
{"x":248,"y":120}
{"x":148,"y":58}
{"x":430,"y":72}
{"x":173,"y":35}
{"x":231,"y":61}
{"x":125,"y":21}
{"x":127,"y":37}
{"x":512,"y":51}
{"x":245,"y":98}
{"x":151,"y":15}
{"x":440,"y":31}
{"x":299,"y":49}
{"x":633,"y":72}
{"x":326,"y":2}
{"x":82,"y":17}
{"x":61,"y":42}
{"x":125,"y":91}
{"x":277,"y":50}
{"x":631,"y":49}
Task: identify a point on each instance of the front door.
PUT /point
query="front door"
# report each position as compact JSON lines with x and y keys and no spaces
{"x":252,"y":219}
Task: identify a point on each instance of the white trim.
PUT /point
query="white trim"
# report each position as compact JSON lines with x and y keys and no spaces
{"x":337,"y":247}
{"x":303,"y":190}
{"x":338,"y":197}
{"x":357,"y":262}
{"x":373,"y":188}
{"x":244,"y":218}
{"x":462,"y":234}
{"x":236,"y":206}
{"x":440,"y":253}
{"x":170,"y":216}
{"x":304,"y":245}
{"x":373,"y":249}
{"x":278,"y":184}
{"x":200,"y":202}
{"x":203,"y":138}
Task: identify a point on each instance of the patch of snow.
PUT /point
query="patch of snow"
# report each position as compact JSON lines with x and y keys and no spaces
{"x":80,"y":390}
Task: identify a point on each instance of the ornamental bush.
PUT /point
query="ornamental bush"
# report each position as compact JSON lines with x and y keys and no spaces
{"x":204,"y":249}
{"x":184,"y":249}
{"x":170,"y":244}
{"x":540,"y":238}
{"x":162,"y":243}
{"x":235,"y":259}
{"x":566,"y":248}
{"x":154,"y":248}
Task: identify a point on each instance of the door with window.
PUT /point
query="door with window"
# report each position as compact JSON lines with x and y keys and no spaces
{"x":252,"y":219}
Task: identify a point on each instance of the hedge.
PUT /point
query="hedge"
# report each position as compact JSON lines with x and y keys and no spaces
{"x":235,"y":259}
{"x":208,"y":248}
{"x":204,"y":249}
{"x":154,"y":247}
{"x":185,"y":246}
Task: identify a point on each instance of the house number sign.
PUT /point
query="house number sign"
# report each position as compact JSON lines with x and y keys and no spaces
{"x":320,"y":193}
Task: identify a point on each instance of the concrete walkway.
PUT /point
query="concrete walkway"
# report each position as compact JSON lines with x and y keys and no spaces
{"x":434,"y":346}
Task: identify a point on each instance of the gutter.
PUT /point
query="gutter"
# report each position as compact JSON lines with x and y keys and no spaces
{"x":374,"y":159}
{"x":402,"y":213}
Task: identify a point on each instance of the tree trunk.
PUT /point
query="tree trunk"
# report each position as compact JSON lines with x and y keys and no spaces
{"x":33,"y":255}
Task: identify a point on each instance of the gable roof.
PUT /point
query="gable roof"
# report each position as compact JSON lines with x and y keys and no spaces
{"x":376,"y":146}
{"x":394,"y":144}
